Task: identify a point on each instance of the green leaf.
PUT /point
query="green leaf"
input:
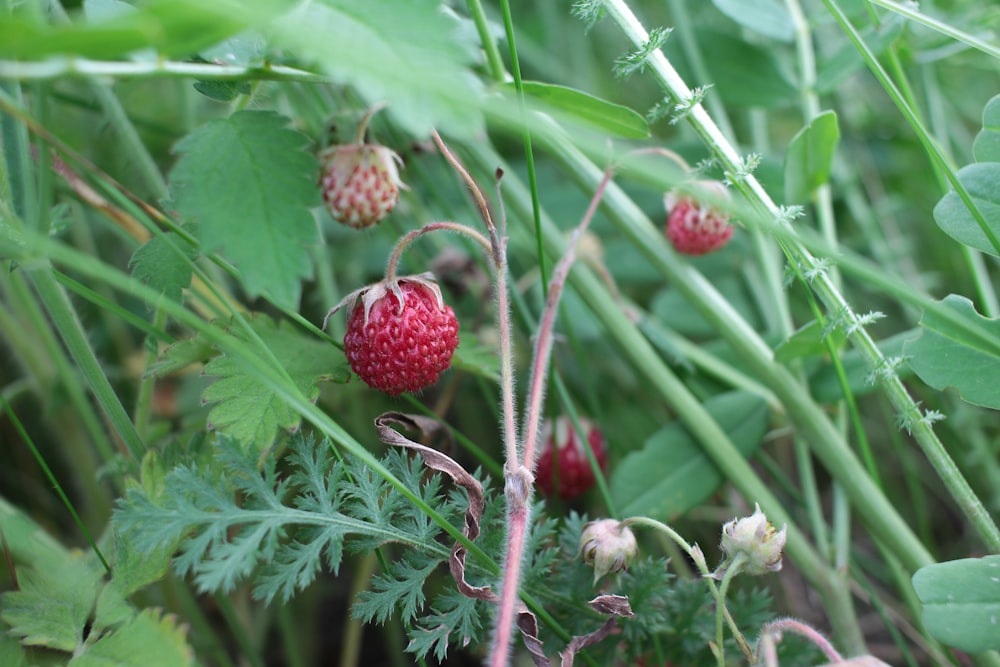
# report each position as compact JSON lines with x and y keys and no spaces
{"x":986,"y":147}
{"x":249,"y":183}
{"x":407,"y":53}
{"x":149,"y":638}
{"x":172,"y":27}
{"x":835,"y":69}
{"x":161,"y":267}
{"x":182,"y":354}
{"x":767,"y":17}
{"x":963,"y":355}
{"x":763,"y":85}
{"x":809,"y":158}
{"x":808,"y":341}
{"x":573,"y":106}
{"x":825,"y":382}
{"x":671,"y":474}
{"x":982,"y":182}
{"x":11,"y":653}
{"x":250,"y":410}
{"x":52,"y":608}
{"x":961,"y":601}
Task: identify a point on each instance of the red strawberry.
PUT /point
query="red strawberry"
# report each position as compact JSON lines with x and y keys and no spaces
{"x":400,"y":336}
{"x":571,"y":468}
{"x":360,"y":183}
{"x":697,"y":228}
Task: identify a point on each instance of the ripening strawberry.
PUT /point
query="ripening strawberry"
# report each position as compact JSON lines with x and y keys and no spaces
{"x":694,"y":227}
{"x":400,"y":334}
{"x":360,"y":183}
{"x":563,"y":467}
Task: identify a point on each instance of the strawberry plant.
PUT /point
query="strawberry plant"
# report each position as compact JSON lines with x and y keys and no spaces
{"x":668,"y":336}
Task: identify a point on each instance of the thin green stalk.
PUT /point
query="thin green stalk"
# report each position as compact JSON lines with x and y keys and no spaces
{"x":291,"y":629}
{"x":71,"y":331}
{"x":144,"y":397}
{"x":493,"y":59}
{"x":85,"y":68}
{"x":54,"y":481}
{"x":912,"y":12}
{"x":529,"y":156}
{"x":827,"y":445}
{"x":249,"y":650}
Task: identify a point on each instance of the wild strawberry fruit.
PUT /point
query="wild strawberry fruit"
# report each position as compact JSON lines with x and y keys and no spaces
{"x":563,"y":467}
{"x":694,"y":227}
{"x":360,"y":183}
{"x":400,"y":334}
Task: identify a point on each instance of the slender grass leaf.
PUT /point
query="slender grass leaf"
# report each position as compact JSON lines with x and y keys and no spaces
{"x":250,"y":410}
{"x":407,"y":53}
{"x":576,"y":107}
{"x":11,"y":653}
{"x":809,"y":158}
{"x":173,"y":27}
{"x":961,"y":601}
{"x":249,"y":183}
{"x":982,"y":181}
{"x":946,"y":355}
{"x":766,"y":17}
{"x":986,"y":147}
{"x":671,"y":474}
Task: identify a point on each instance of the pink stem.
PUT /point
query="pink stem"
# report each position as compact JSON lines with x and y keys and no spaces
{"x":810,"y":633}
{"x":410,"y":237}
{"x":517,"y":491}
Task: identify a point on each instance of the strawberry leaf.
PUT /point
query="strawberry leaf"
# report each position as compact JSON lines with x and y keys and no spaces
{"x":161,"y":267}
{"x":249,"y":182}
{"x":250,"y":410}
{"x":408,"y":53}
{"x":157,"y":638}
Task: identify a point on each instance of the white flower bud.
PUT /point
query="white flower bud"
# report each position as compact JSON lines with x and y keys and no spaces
{"x":608,"y":545}
{"x":756,"y":539}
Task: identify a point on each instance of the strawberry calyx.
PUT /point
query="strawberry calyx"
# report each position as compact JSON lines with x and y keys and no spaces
{"x":369,"y":295}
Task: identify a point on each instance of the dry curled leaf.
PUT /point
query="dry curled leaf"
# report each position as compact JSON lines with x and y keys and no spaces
{"x":440,"y":462}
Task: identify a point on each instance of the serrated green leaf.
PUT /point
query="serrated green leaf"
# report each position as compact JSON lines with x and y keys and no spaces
{"x":670,"y":474}
{"x":986,"y":147}
{"x":149,"y":638}
{"x":407,"y":53}
{"x":157,"y":264}
{"x":766,"y":17}
{"x":576,"y":107}
{"x":963,"y":357}
{"x":223,"y":91}
{"x":172,"y":27}
{"x":809,"y":157}
{"x":808,"y":341}
{"x":249,"y":410}
{"x":182,"y":354}
{"x":249,"y":183}
{"x":52,"y":607}
{"x":982,"y":181}
{"x":961,"y":601}
{"x":134,"y":569}
{"x":763,"y":85}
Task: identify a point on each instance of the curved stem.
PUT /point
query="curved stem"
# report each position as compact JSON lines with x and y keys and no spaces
{"x":410,"y":237}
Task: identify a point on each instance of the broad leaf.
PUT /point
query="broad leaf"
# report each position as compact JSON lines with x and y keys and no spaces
{"x":250,"y":410}
{"x":148,"y":638}
{"x":982,"y":181}
{"x":163,"y":267}
{"x":809,"y":158}
{"x":670,"y":474}
{"x":172,"y":27}
{"x":249,"y":183}
{"x":573,"y":106}
{"x":407,"y":53}
{"x":987,"y":145}
{"x":767,"y":17}
{"x":52,"y":607}
{"x":961,"y":601}
{"x":763,"y":85}
{"x":963,"y":354}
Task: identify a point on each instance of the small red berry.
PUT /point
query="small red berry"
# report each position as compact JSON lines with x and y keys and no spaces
{"x":694,"y":227}
{"x":570,"y":469}
{"x":400,"y":336}
{"x":360,"y":183}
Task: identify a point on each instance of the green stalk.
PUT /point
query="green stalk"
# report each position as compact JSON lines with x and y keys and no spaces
{"x":910,"y":11}
{"x":71,"y":331}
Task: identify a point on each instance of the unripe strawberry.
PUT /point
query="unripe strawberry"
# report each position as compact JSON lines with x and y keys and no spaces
{"x":694,"y":227}
{"x":563,"y":467}
{"x":360,"y":183}
{"x":400,"y":335}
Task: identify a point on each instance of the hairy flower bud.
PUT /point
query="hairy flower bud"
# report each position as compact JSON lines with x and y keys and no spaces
{"x":756,"y":540}
{"x":608,"y":545}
